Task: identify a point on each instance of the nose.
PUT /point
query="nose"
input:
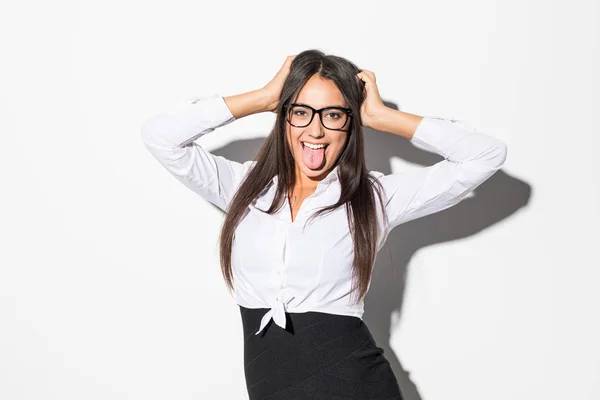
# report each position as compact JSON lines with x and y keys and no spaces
{"x":316,"y":128}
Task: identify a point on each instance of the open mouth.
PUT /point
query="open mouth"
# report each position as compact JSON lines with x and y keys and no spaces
{"x":314,"y":155}
{"x":315,"y":147}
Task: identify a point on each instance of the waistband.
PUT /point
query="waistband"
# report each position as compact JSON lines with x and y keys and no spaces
{"x":294,"y":321}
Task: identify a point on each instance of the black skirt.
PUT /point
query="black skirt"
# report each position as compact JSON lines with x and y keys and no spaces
{"x":318,"y":356}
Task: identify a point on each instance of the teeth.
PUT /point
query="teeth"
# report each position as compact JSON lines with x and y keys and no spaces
{"x":313,"y":146}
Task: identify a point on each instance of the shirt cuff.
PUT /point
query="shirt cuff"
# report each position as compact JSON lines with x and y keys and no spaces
{"x":440,"y":135}
{"x":189,"y":120}
{"x":217,"y":104}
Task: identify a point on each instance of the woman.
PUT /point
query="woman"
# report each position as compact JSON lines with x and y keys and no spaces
{"x":309,"y":218}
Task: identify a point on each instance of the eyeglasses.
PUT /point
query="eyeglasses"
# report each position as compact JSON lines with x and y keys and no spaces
{"x":334,"y":118}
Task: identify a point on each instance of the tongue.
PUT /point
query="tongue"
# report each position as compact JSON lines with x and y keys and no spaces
{"x":313,"y":159}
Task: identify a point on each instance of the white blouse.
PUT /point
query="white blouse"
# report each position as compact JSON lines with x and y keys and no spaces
{"x":275,"y":263}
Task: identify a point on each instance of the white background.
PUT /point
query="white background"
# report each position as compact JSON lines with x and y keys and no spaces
{"x":110,"y":286}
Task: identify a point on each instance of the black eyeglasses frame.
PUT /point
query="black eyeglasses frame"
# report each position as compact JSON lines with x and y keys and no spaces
{"x":348,"y":111}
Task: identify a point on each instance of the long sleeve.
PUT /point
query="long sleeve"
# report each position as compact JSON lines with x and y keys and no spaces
{"x":470,"y":158}
{"x":170,"y":138}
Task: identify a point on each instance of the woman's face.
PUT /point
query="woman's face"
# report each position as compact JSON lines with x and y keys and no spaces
{"x":315,"y":164}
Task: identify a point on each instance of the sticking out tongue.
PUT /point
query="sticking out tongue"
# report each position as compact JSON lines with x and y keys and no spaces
{"x":313,"y":159}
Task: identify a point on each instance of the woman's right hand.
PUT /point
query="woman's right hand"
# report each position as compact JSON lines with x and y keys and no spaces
{"x":274,"y":87}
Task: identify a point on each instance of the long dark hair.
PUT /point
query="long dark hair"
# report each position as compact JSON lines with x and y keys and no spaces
{"x":275,"y":158}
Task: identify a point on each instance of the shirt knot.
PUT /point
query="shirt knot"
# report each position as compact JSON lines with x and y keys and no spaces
{"x":277,"y":311}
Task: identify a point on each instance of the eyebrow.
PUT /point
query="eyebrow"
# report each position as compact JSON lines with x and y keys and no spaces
{"x":335,"y":105}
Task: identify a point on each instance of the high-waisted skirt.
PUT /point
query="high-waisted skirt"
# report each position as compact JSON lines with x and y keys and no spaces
{"x":318,"y":356}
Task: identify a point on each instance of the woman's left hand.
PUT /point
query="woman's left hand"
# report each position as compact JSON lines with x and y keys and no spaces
{"x":373,"y":105}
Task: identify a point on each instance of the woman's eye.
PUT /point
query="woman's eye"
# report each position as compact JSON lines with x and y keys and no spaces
{"x":334,"y":115}
{"x":299,"y":112}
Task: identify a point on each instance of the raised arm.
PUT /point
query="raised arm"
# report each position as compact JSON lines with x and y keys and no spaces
{"x":170,"y":138}
{"x":470,"y":158}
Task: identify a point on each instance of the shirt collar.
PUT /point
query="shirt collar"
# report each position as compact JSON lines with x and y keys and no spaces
{"x":333,"y":175}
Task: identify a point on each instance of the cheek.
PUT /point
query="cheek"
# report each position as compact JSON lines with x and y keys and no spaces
{"x":339,"y":145}
{"x":334,"y":154}
{"x":292,"y":137}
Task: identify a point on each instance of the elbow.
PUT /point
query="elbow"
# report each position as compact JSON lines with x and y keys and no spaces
{"x":493,"y":157}
{"x":153,"y":134}
{"x":499,"y":152}
{"x":147,"y":132}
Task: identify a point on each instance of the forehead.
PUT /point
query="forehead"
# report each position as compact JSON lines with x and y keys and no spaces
{"x":319,"y":93}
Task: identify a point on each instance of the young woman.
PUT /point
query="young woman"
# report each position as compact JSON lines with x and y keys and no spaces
{"x":304,"y":220}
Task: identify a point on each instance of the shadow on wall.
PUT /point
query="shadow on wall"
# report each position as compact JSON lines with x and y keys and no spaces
{"x":495,"y":199}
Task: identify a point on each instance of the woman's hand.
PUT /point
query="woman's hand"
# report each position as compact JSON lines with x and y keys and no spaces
{"x":273,"y":88}
{"x":373,"y":105}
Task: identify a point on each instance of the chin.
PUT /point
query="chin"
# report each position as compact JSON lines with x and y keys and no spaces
{"x":321,"y":172}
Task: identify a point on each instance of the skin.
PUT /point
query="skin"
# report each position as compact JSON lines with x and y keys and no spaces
{"x":317,"y":93}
